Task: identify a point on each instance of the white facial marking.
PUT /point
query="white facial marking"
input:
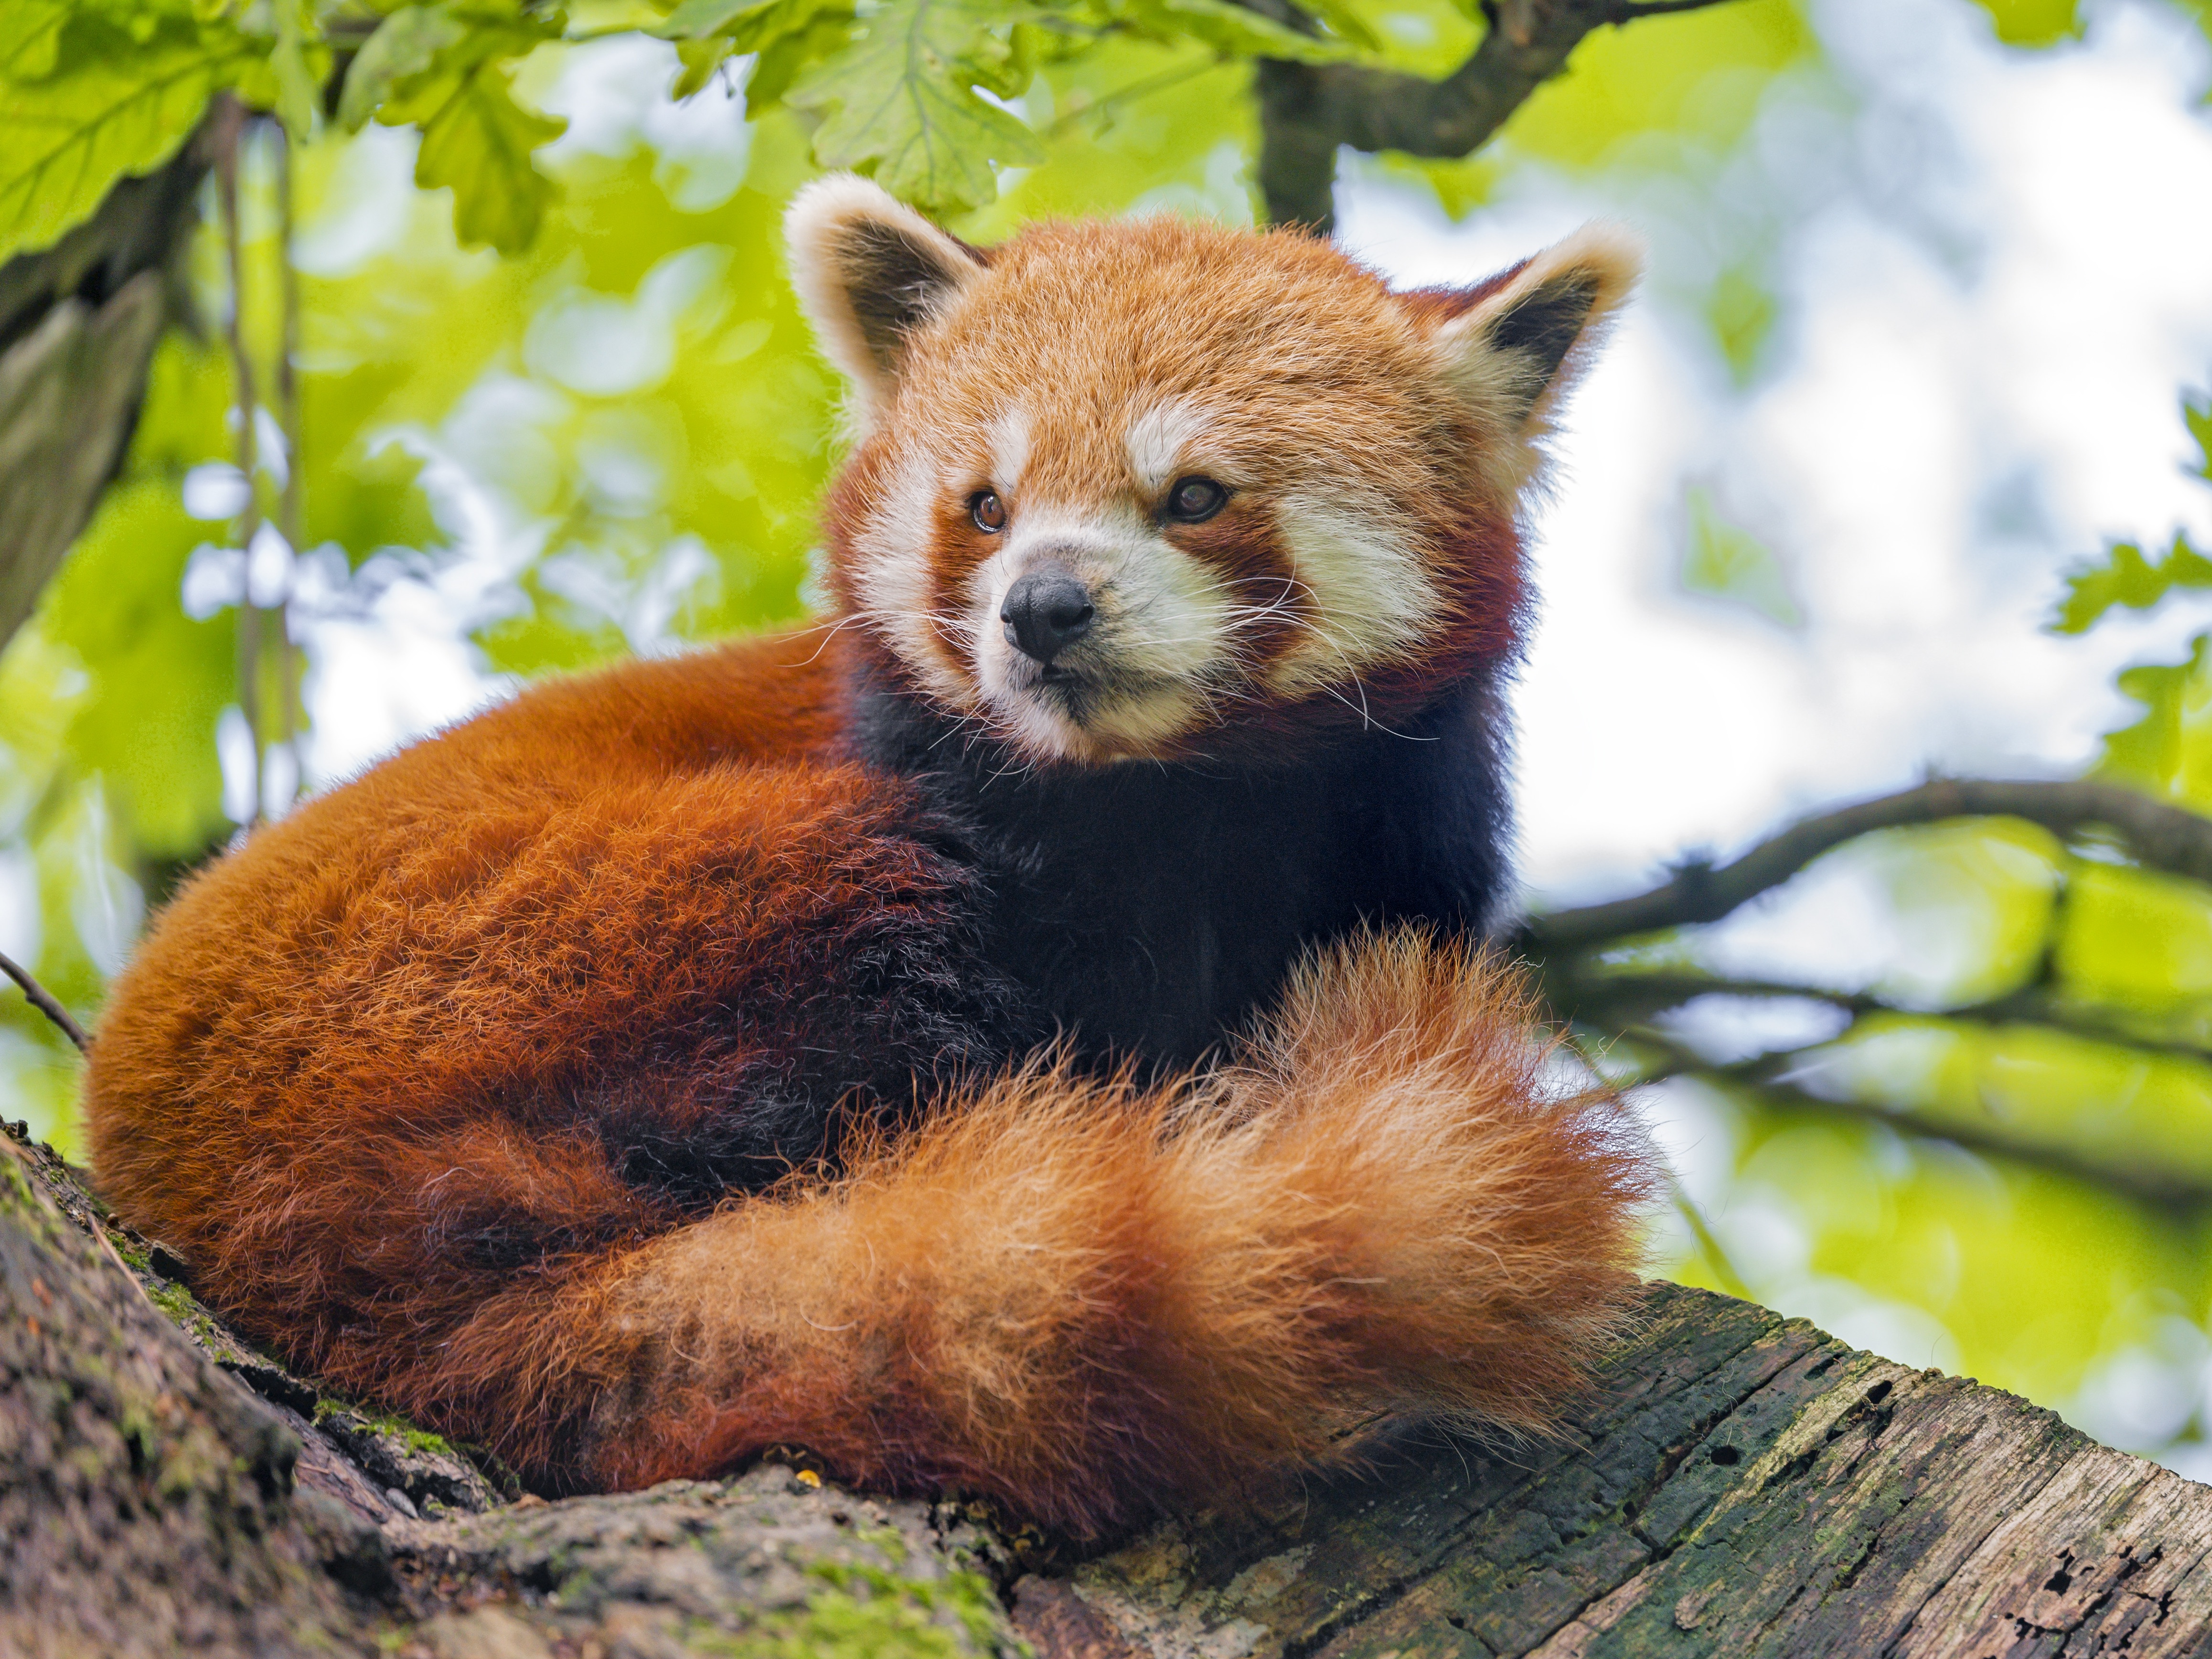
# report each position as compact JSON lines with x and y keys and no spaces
{"x":1167,"y":642}
{"x":1010,"y":449}
{"x":1369,"y":598}
{"x":1157,"y":439}
{"x":891,"y":576}
{"x":1161,"y":631}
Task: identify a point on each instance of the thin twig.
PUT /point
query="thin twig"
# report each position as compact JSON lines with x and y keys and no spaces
{"x":229,"y":129}
{"x":2160,"y":836}
{"x":43,"y":1000}
{"x":1770,"y":1079}
{"x":1616,"y":1001}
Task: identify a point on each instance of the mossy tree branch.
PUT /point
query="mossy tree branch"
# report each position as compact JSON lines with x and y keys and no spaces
{"x":1733,"y":1483}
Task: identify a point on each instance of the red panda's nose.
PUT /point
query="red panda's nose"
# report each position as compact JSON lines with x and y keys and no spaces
{"x":1045,"y":611}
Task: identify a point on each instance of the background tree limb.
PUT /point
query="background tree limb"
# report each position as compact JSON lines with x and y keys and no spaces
{"x":2156,"y":835}
{"x":45,"y":1001}
{"x":78,"y":324}
{"x":1625,"y":1001}
{"x":1307,"y":111}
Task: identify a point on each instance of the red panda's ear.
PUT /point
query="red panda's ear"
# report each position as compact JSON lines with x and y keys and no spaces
{"x":1516,"y":343}
{"x":869,"y":271}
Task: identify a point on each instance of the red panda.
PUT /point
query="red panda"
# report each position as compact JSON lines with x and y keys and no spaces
{"x":1028,"y":1036}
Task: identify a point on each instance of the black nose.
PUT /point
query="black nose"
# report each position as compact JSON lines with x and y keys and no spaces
{"x":1045,"y":611}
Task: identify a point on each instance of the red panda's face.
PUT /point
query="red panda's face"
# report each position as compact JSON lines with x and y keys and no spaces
{"x":1150,"y":488}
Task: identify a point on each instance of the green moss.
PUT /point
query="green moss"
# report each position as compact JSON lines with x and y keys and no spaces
{"x":20,"y":1199}
{"x":871,"y":1612}
{"x":173,"y":1300}
{"x":889,"y":1540}
{"x":387,"y":1424}
{"x":177,"y":1302}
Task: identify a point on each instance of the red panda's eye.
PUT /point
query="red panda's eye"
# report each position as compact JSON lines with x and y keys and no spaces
{"x":1194,"y":501}
{"x":988,"y":512}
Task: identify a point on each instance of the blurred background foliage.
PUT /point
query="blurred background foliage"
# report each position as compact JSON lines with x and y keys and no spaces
{"x":1982,"y":1140}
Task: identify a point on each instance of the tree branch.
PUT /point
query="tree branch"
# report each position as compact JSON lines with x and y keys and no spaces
{"x":42,"y":1000}
{"x":1307,"y":110}
{"x":1770,"y":1078}
{"x":2160,"y":836}
{"x":1615,"y":1001}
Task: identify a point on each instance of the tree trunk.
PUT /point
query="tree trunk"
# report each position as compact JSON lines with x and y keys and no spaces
{"x":147,"y":1503}
{"x":78,"y":325}
{"x":1740,"y":1484}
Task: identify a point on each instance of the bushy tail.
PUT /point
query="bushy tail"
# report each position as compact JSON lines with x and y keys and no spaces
{"x":1086,"y":1298}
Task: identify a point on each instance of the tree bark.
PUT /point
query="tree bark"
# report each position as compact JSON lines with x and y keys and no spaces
{"x":1309,"y":111}
{"x":147,"y":1505}
{"x":78,"y":324}
{"x":1741,"y":1484}
{"x":1737,"y":1484}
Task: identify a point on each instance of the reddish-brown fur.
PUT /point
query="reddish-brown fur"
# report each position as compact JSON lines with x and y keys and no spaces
{"x":417,"y":1082}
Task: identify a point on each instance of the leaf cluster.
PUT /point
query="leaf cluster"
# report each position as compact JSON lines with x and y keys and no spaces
{"x":918,"y":93}
{"x":447,"y":70}
{"x":2130,"y":578}
{"x":94,"y":91}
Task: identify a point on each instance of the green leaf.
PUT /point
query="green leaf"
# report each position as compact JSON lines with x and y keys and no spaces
{"x":2034,"y":23}
{"x":1226,"y":28}
{"x":1346,"y":23}
{"x":2168,"y":752}
{"x":783,"y":60}
{"x":30,"y":39}
{"x":301,"y":62}
{"x":480,"y":144}
{"x":2128,"y":578}
{"x":904,"y":106}
{"x":421,"y":58}
{"x":65,"y":140}
{"x":1741,"y":311}
{"x":406,"y":46}
{"x":2198,"y":416}
{"x":793,"y":32}
{"x":1724,"y":560}
{"x":695,"y":20}
{"x":700,"y":59}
